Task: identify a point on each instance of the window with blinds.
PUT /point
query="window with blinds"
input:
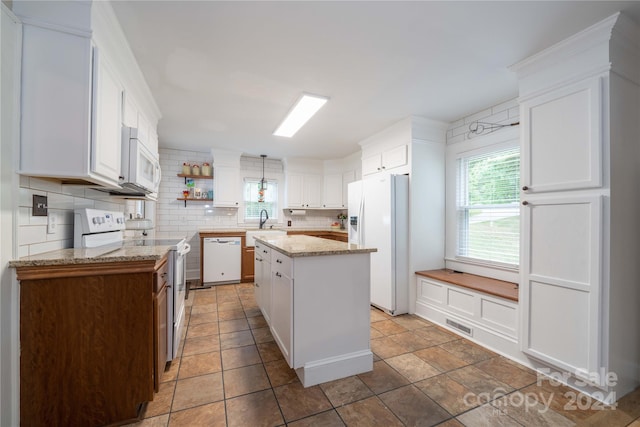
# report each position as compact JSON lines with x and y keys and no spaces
{"x":252,"y":206}
{"x":488,"y":207}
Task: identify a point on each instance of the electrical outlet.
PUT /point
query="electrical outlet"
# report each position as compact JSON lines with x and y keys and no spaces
{"x":39,"y":206}
{"x":52,"y":223}
{"x":289,"y":223}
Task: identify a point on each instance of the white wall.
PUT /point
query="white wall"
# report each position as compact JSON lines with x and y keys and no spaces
{"x":9,"y":127}
{"x":504,"y":113}
{"x":459,"y":140}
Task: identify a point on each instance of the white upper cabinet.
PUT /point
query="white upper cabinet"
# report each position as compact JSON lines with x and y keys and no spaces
{"x":107,"y":114}
{"x":562,"y":145}
{"x":226,"y":186}
{"x":385,"y":160}
{"x":66,"y":131}
{"x":304,"y":190}
{"x":312,"y":195}
{"x":372,"y":164}
{"x":303,"y":183}
{"x":76,"y":70}
{"x":332,"y":191}
{"x":295,"y":190}
{"x":130,"y":112}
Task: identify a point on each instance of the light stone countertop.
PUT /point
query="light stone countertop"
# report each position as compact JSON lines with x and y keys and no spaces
{"x":300,"y":245}
{"x":103,"y":254}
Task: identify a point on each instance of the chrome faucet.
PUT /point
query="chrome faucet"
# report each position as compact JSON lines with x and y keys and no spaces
{"x":262,"y":221}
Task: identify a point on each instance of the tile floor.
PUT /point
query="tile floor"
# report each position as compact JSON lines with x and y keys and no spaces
{"x":231,"y":373}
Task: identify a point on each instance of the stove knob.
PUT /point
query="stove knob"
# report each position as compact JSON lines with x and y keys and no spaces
{"x":94,"y":220}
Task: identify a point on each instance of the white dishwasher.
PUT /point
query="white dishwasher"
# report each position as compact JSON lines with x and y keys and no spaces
{"x":221,"y":260}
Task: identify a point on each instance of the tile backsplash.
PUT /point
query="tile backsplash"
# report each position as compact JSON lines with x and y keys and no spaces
{"x":61,"y":200}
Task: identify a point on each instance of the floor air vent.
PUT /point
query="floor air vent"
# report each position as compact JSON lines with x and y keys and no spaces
{"x":467,"y":330}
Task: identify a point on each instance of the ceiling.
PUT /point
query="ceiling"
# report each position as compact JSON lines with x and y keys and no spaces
{"x":224,"y":74}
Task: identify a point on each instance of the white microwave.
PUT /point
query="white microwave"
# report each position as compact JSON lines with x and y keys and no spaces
{"x":140,"y":167}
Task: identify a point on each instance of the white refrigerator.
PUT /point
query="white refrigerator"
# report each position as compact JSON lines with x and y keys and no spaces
{"x":379,"y":218}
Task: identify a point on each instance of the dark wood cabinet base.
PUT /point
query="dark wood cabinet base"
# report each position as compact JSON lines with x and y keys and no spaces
{"x":86,"y":344}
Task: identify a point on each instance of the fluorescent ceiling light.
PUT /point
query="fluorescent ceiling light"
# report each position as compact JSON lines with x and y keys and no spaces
{"x":304,"y":109}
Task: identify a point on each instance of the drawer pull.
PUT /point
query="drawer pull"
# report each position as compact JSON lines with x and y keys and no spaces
{"x":525,"y":203}
{"x":278,"y":274}
{"x":265,"y":251}
{"x":278,"y":261}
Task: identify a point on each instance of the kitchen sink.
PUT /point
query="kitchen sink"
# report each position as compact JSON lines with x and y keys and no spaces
{"x":265,"y":232}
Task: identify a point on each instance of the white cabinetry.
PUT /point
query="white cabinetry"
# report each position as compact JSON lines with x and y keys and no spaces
{"x":489,"y":320}
{"x":579,"y":228}
{"x":263,"y":279}
{"x":304,"y":190}
{"x":107,"y":110}
{"x":385,"y":160}
{"x":282,"y":304}
{"x":332,"y":191}
{"x":226,"y":186}
{"x":319,"y":313}
{"x":562,"y":138}
{"x":562,"y":152}
{"x":71,"y":109}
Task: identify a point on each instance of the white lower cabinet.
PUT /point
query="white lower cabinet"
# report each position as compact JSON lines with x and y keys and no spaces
{"x":561,"y":282}
{"x":483,"y":318}
{"x":262,"y":280}
{"x":282,"y":305}
{"x":319,"y":313}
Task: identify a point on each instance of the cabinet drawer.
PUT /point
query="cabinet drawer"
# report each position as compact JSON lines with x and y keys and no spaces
{"x":262,"y":251}
{"x":281,"y":264}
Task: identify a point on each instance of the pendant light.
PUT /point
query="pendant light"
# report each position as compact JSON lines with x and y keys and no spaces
{"x":263,"y":182}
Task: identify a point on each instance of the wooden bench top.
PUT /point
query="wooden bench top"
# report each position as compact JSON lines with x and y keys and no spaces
{"x":499,"y":288}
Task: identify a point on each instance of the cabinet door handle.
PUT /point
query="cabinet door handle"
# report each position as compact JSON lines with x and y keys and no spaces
{"x":278,"y":274}
{"x":525,"y":203}
{"x":257,"y":286}
{"x":264,"y":250}
{"x":278,"y":261}
{"x":384,"y":167}
{"x":525,"y":188}
{"x":378,"y":168}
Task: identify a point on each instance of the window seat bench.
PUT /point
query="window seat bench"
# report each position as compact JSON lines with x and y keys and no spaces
{"x":498,"y":288}
{"x":479,"y":308}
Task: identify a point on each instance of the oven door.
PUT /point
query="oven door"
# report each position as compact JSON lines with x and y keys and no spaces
{"x":175,"y":307}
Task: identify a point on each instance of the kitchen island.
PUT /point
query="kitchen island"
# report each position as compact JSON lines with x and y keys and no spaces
{"x":314,"y":294}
